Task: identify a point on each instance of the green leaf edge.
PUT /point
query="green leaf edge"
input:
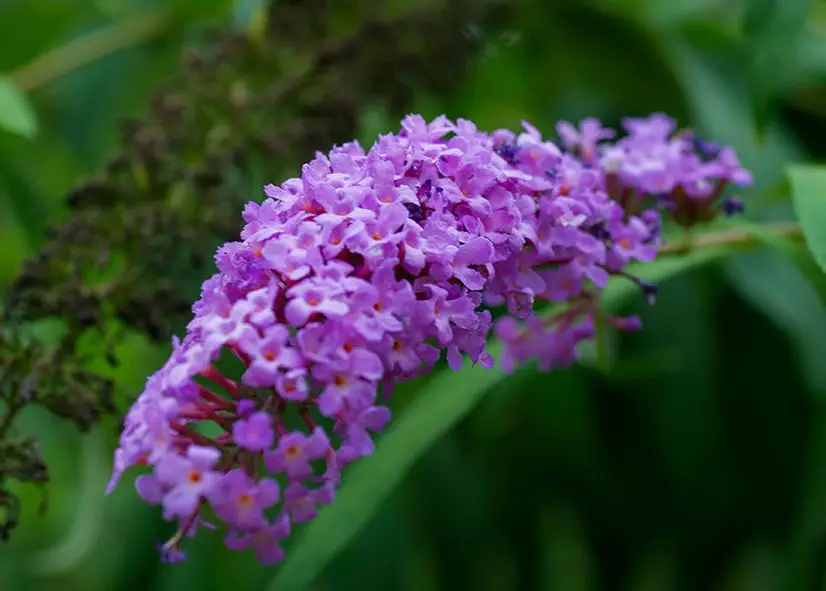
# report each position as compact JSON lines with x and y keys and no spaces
{"x":16,"y":113}
{"x":803,"y":202}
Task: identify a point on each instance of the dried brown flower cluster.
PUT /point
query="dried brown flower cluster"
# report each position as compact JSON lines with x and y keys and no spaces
{"x":129,"y":255}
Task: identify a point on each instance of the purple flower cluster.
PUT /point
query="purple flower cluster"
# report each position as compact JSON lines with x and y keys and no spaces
{"x":363,"y":273}
{"x":688,"y":175}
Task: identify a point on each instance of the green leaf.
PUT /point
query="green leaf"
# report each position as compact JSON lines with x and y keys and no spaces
{"x":791,"y":302}
{"x":79,"y":541}
{"x":809,"y":199}
{"x":794,"y":298}
{"x":448,"y":398}
{"x":772,"y":29}
{"x":809,"y":63}
{"x":791,"y":249}
{"x":16,"y":114}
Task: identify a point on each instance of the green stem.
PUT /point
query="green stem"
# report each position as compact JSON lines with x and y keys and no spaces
{"x":84,"y":50}
{"x":731,"y":236}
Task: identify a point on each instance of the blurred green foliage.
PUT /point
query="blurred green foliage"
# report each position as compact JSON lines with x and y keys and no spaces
{"x":129,"y":255}
{"x":697,"y":462}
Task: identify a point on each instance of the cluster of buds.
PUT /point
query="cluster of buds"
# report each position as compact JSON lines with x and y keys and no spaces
{"x":367,"y":271}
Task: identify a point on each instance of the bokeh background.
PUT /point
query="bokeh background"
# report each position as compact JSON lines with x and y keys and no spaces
{"x":697,"y":461}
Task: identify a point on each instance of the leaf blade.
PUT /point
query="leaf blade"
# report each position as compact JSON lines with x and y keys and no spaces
{"x":16,"y":113}
{"x":792,"y":250}
{"x":808,"y":184}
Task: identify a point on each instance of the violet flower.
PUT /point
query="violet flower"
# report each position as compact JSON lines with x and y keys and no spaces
{"x":372,"y":267}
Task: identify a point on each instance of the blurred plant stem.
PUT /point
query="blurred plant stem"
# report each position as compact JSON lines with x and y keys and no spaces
{"x":86,"y":49}
{"x":731,"y":236}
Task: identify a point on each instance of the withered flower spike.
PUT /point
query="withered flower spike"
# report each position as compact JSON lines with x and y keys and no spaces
{"x":130,"y":254}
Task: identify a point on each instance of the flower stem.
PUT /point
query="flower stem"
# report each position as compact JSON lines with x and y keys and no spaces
{"x":730,"y":236}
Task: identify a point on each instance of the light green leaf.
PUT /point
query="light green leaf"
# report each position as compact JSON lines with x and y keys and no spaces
{"x":79,"y":540}
{"x":809,"y":197}
{"x":448,"y":398}
{"x":16,"y":114}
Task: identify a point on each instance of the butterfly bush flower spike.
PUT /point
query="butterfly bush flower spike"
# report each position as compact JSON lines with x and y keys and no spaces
{"x":371,"y":268}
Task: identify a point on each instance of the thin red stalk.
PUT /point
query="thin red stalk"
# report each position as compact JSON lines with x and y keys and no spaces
{"x":216,"y":376}
{"x":208,"y":394}
{"x":192,"y":435}
{"x":305,"y":416}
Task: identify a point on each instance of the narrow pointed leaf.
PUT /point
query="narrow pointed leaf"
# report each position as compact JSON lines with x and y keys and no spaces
{"x":809,"y":197}
{"x":16,"y":114}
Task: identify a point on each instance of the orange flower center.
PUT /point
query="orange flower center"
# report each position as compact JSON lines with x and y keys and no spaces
{"x":292,"y":452}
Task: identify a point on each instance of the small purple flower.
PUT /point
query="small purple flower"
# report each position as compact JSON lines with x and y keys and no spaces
{"x":295,"y":451}
{"x":313,"y":297}
{"x":187,"y":478}
{"x":346,"y":383}
{"x":255,"y":432}
{"x":730,"y":168}
{"x":586,"y":138}
{"x":240,"y":501}
{"x":151,"y":489}
{"x":302,"y":503}
{"x":475,"y":252}
{"x":264,"y":541}
{"x":353,"y":425}
{"x":292,"y":386}
{"x":170,"y":554}
{"x":268,"y":355}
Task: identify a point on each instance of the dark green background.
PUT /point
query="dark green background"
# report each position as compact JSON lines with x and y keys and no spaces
{"x":697,"y":462}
